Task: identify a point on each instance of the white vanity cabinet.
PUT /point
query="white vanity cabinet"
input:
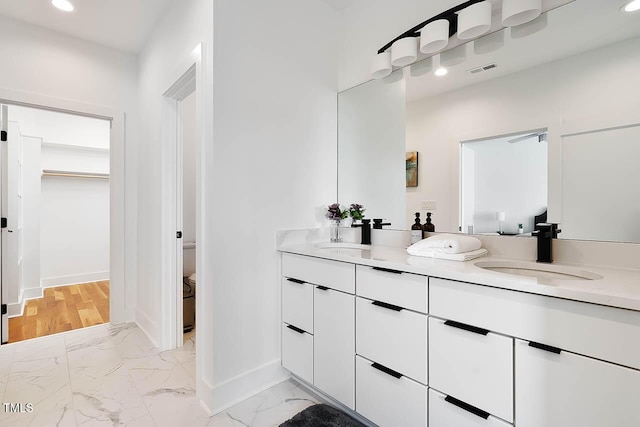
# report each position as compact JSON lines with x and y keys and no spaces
{"x":391,"y":346}
{"x":555,"y":388}
{"x":334,"y":344}
{"x":318,"y":315}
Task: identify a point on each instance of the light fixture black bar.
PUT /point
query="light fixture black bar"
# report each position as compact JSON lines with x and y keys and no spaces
{"x":449,"y":15}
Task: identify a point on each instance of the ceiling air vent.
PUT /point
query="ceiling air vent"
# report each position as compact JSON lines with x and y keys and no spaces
{"x":483,"y":68}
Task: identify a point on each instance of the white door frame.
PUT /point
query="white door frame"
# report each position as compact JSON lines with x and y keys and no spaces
{"x":121,"y":297}
{"x":187,"y":78}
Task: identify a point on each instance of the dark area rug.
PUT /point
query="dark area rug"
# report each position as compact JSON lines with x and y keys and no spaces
{"x":321,"y":416}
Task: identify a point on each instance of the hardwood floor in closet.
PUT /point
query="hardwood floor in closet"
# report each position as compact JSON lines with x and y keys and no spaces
{"x":62,"y":309}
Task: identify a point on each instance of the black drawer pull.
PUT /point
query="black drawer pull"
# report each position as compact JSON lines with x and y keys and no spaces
{"x":466,"y":327}
{"x":462,"y":405}
{"x":387,"y":270}
{"x":387,"y":306}
{"x":300,"y":282}
{"x":298,"y":330}
{"x":322,"y":288}
{"x":386,"y":370}
{"x":545,"y":347}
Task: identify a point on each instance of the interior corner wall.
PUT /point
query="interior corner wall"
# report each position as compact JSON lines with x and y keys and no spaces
{"x":87,"y":74}
{"x":273,"y":167}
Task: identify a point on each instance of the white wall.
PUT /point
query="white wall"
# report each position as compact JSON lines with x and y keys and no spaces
{"x":583,"y":92}
{"x":189,"y":156}
{"x":274,"y":162}
{"x":31,"y":201}
{"x":89,"y":76}
{"x":270,"y":163}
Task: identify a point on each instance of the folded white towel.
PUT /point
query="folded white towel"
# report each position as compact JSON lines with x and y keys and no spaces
{"x":466,"y":256}
{"x":447,"y":243}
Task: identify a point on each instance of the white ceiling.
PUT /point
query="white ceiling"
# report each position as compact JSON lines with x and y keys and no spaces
{"x":121,"y":24}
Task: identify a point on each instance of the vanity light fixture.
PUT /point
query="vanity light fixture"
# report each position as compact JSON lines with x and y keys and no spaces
{"x":474,"y":20}
{"x":434,"y":36}
{"x":518,"y":12}
{"x":404,"y":52}
{"x":632,"y":6}
{"x":442,"y":71}
{"x":381,"y":66}
{"x":64,"y":5}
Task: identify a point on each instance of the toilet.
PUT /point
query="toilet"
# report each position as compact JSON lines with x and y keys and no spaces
{"x":189,"y":287}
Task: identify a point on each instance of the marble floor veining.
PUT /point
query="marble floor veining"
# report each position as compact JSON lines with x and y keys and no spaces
{"x":112,"y":375}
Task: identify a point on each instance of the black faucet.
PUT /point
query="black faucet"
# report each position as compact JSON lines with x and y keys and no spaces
{"x":545,"y":232}
{"x":377,"y":223}
{"x":366,"y":231}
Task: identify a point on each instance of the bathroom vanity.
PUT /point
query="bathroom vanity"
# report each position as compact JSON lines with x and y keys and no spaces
{"x":412,"y":341}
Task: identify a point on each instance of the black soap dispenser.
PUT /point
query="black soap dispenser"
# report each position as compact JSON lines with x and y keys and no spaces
{"x":416,"y":230}
{"x":428,"y":226}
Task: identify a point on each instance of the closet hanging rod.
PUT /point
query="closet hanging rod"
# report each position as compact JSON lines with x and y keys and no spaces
{"x":69,"y":174}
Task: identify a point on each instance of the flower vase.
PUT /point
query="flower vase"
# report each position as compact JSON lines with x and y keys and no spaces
{"x":335,"y":231}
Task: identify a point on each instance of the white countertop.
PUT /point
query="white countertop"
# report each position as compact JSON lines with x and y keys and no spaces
{"x":618,"y":288}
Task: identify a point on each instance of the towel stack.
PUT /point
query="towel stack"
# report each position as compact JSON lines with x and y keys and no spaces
{"x":452,"y":247}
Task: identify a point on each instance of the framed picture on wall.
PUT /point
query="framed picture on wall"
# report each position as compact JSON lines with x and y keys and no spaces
{"x":412,"y":168}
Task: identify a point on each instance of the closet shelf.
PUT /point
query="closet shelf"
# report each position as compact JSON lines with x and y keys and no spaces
{"x":70,"y":174}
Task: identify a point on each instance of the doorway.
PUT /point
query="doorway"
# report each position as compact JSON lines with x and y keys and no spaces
{"x":56,"y":243}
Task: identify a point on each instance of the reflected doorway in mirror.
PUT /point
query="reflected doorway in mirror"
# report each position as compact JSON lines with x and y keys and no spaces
{"x":412,"y":168}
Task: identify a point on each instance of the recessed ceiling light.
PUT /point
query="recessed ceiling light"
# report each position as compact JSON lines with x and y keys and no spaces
{"x":441,"y":72}
{"x":632,"y":6}
{"x":64,"y":5}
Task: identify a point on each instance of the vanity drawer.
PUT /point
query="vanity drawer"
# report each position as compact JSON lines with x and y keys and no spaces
{"x":394,"y":287}
{"x":605,"y":333}
{"x":297,"y":304}
{"x":332,"y":274}
{"x":389,"y":401}
{"x":447,"y":412}
{"x":395,"y":339}
{"x":473,"y":365}
{"x":297,"y":352}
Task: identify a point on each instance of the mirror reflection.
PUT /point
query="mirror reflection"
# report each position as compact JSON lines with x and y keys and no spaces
{"x":578,"y":94}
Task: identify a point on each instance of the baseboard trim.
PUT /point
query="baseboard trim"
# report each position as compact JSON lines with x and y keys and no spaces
{"x":17,"y":309}
{"x":51,"y":282}
{"x":147,"y":326}
{"x":231,"y":392}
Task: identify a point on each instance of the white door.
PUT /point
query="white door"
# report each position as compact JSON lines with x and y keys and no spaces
{"x":334,"y":344}
{"x":4,"y":289}
{"x":564,"y":389}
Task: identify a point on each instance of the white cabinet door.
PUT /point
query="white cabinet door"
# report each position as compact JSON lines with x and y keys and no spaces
{"x":392,"y":336}
{"x":388,"y":398}
{"x":297,"y":352}
{"x":445,"y":411}
{"x":473,"y":365}
{"x":559,"y":390}
{"x":334,"y":344}
{"x":297,"y":304}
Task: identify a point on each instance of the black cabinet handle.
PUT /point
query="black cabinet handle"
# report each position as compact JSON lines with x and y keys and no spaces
{"x":387,"y":306}
{"x":545,"y":347}
{"x":386,"y":370}
{"x":322,"y":288}
{"x":462,"y":405}
{"x":300,"y":282}
{"x":298,"y":330}
{"x":387,"y":270}
{"x":466,"y":327}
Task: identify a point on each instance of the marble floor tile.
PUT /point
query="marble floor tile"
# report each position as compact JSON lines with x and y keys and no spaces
{"x":131,"y":342}
{"x":111,"y":401}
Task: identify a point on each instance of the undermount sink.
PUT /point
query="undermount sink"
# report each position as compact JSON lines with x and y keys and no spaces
{"x":343,"y":246}
{"x":540,"y":271}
